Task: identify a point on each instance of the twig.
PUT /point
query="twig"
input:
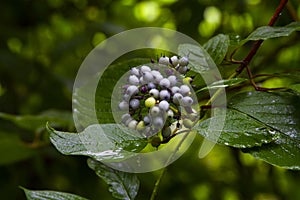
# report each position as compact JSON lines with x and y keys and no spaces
{"x":258,"y":43}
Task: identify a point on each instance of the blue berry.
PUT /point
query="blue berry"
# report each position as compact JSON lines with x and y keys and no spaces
{"x":135,"y":71}
{"x":175,"y":89}
{"x":183,"y":61}
{"x":155,"y":111}
{"x":147,"y":76}
{"x":123,"y":105}
{"x":134,"y":104}
{"x":184,"y":90}
{"x":164,"y":60}
{"x":187,"y":101}
{"x":173,"y":80}
{"x":177,"y":97}
{"x":134,"y":80}
{"x":174,"y":61}
{"x":164,"y":105}
{"x":131,"y":90}
{"x":145,"y":68}
{"x":151,"y":85}
{"x":164,"y":83}
{"x":147,"y":120}
{"x":154,"y":93}
{"x":164,"y":95}
{"x":158,"y":122}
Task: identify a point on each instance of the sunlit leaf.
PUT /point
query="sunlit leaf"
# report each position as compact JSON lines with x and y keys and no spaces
{"x":122,"y":185}
{"x":100,"y":141}
{"x":49,"y":195}
{"x":217,"y":47}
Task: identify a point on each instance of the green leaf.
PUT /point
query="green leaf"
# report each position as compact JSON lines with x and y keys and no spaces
{"x":49,"y":195}
{"x":83,"y":96}
{"x":101,"y":141}
{"x":12,"y":149}
{"x":122,"y":185}
{"x":296,"y":88}
{"x":280,"y":112}
{"x":35,"y":122}
{"x":199,"y":60}
{"x":240,"y":130}
{"x":224,"y":84}
{"x":267,"y":32}
{"x":217,"y":47}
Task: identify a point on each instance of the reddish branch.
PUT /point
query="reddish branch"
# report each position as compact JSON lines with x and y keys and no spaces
{"x":257,"y":44}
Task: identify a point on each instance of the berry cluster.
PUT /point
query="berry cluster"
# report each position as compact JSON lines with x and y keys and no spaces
{"x":157,"y":95}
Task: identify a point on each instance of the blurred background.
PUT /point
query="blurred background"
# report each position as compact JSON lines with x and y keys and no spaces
{"x":42,"y":45}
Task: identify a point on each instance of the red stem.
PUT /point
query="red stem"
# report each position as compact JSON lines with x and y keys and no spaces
{"x":258,"y":43}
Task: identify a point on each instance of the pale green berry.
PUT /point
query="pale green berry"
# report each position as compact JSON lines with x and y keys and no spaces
{"x":140,"y":126}
{"x":150,"y":102}
{"x":188,"y":123}
{"x":166,"y":132}
{"x":155,"y":141}
{"x":132,"y":124}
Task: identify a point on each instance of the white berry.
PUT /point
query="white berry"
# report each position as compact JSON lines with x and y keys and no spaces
{"x":173,"y":80}
{"x":134,"y":80}
{"x":187,"y":101}
{"x":174,"y":60}
{"x":154,"y":93}
{"x":164,"y":60}
{"x":164,"y":105}
{"x":123,"y":105}
{"x":134,"y":104}
{"x":131,"y":90}
{"x":145,"y":68}
{"x":183,"y":61}
{"x":177,"y":97}
{"x":184,"y":90}
{"x":164,"y":95}
{"x":164,"y":83}
{"x":154,"y":111}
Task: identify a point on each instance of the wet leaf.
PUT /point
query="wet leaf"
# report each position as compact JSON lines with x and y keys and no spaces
{"x":240,"y":130}
{"x":267,"y":32}
{"x":101,"y":141}
{"x":49,"y":195}
{"x":217,"y":47}
{"x":199,"y":60}
{"x":122,"y":185}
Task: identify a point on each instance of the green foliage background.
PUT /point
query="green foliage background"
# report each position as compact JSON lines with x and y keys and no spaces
{"x":42,"y":44}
